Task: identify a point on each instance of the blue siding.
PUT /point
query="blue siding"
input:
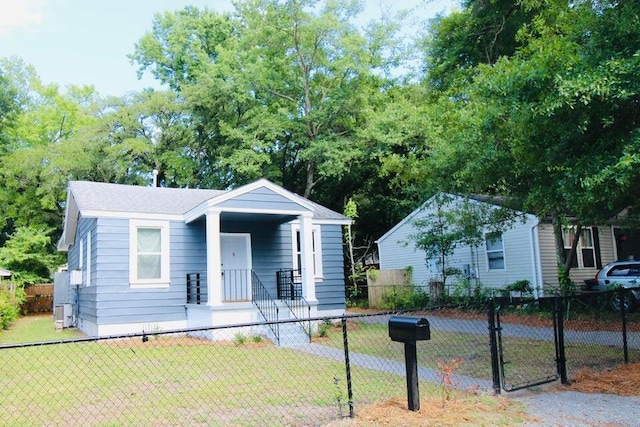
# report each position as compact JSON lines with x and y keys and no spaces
{"x":261,"y":198}
{"x":331,"y":291}
{"x":86,"y":296}
{"x":116,"y":302}
{"x":111,"y":300}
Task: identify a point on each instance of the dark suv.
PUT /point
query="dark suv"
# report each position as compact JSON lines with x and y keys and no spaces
{"x":619,"y":273}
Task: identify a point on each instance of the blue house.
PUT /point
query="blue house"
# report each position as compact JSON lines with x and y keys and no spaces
{"x":149,"y":258}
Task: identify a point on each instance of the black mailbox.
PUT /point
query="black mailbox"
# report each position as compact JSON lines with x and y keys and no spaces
{"x":409,"y":329}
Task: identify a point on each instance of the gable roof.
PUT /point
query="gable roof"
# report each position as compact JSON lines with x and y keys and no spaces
{"x":489,"y":200}
{"x":5,"y":273}
{"x":94,"y":199}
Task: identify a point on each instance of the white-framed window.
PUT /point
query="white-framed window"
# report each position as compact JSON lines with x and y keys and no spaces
{"x":495,"y":251}
{"x":317,"y":249}
{"x":585,"y":252}
{"x":149,"y":254}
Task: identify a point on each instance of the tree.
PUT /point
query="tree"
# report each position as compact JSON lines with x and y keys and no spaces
{"x":554,"y":126}
{"x":26,"y":255}
{"x":283,"y":93}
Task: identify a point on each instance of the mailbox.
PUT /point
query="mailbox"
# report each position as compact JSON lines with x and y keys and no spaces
{"x":409,"y":329}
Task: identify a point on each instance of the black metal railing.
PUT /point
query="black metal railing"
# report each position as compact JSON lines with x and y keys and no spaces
{"x":196,"y":288}
{"x":289,"y":284}
{"x":266,"y":305}
{"x":290,"y":292}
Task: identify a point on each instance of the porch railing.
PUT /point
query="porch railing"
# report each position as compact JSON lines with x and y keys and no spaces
{"x":289,"y":284}
{"x":290,"y":292}
{"x":196,"y":288}
{"x":266,"y":305}
{"x":236,"y":285}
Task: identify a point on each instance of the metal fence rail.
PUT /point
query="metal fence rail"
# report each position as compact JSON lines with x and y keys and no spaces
{"x":242,"y":378}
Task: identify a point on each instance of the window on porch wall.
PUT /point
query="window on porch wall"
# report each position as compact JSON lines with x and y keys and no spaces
{"x":317,"y":252}
{"x":585,"y":253}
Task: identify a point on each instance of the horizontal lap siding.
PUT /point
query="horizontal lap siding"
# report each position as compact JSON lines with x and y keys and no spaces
{"x":518,"y":259}
{"x":330,"y":292}
{"x":397,"y":251}
{"x":116,"y":301}
{"x":86,"y":295}
{"x":260,"y":198}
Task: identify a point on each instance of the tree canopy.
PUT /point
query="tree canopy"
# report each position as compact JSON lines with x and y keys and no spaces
{"x":533,"y":100}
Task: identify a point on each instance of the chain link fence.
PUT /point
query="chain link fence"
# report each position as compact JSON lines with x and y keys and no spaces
{"x":235,"y":376}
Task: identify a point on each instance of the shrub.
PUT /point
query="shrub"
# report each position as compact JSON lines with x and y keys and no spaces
{"x":10,"y":305}
{"x":405,"y":297}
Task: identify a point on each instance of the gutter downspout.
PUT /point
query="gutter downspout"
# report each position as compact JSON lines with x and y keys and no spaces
{"x":535,"y":260}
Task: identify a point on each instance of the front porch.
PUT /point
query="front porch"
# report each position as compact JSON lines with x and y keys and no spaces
{"x":247,"y":300}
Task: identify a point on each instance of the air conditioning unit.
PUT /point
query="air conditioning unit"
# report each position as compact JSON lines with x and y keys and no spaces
{"x":63,"y":316}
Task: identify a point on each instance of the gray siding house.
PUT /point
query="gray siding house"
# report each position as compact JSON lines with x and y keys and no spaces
{"x":525,"y":251}
{"x":149,"y":258}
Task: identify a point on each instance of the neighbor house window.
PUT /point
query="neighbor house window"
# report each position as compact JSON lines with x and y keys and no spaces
{"x":495,"y":251}
{"x":585,"y":253}
{"x":149,"y":253}
{"x":317,"y":249}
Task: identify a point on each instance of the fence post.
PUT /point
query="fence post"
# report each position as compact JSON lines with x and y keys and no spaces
{"x":495,"y":364}
{"x":623,"y":316}
{"x":558,"y":320}
{"x":345,"y":341}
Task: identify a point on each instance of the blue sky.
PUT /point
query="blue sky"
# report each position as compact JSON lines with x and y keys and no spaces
{"x":86,"y":42}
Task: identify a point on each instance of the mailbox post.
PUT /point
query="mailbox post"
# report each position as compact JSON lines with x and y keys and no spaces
{"x":408,"y":330}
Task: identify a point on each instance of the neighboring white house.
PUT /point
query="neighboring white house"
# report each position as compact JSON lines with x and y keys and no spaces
{"x":4,"y":274}
{"x":525,"y":251}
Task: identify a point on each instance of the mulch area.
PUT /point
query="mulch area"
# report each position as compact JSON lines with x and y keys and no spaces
{"x":622,"y":381}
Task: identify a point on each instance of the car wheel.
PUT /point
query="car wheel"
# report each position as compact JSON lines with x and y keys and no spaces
{"x":628,"y":305}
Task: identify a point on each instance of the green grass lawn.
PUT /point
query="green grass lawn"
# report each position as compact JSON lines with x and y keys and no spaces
{"x":35,"y":328}
{"x":178,"y":380}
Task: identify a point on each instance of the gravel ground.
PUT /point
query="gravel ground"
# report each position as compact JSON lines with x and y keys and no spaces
{"x":573,"y":409}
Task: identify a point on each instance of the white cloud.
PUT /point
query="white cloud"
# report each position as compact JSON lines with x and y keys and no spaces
{"x":20,"y":14}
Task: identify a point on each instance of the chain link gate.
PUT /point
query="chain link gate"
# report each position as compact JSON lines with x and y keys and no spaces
{"x":512,"y":347}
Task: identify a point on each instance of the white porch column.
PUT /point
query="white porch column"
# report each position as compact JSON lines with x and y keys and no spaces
{"x":214,"y":259}
{"x":306,"y":257}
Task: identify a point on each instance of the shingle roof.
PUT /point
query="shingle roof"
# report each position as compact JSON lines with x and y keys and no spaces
{"x":101,"y":196}
{"x":105,"y":197}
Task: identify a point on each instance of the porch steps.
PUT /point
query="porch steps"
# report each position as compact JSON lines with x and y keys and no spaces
{"x":291,"y":333}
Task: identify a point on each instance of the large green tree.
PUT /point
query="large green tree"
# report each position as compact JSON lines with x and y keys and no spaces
{"x":282,"y":92}
{"x":553,"y":126}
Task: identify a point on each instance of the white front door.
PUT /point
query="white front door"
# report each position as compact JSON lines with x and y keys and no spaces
{"x":236,"y":266}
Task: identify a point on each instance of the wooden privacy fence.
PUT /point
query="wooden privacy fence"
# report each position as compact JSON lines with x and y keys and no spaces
{"x":39,"y":299}
{"x":381,"y":282}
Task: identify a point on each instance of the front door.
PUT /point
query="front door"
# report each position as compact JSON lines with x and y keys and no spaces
{"x":236,"y":266}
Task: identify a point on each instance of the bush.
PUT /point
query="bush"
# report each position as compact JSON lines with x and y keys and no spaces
{"x":10,"y":305}
{"x":405,"y":297}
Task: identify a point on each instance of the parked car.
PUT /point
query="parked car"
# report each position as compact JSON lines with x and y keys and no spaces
{"x":619,"y":273}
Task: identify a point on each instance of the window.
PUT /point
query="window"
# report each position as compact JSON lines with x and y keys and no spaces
{"x":317,"y":249}
{"x":149,"y":253}
{"x":585,"y":253}
{"x":495,"y":251}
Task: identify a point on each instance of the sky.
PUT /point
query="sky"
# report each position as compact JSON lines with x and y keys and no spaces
{"x":86,"y":42}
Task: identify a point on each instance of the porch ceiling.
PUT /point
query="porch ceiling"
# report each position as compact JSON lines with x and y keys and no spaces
{"x":254,"y":217}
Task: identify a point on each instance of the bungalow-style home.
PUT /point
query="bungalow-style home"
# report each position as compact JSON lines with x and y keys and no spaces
{"x":524,"y":251}
{"x":150,"y":258}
